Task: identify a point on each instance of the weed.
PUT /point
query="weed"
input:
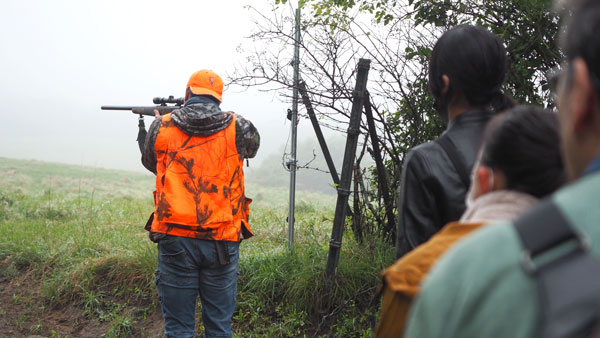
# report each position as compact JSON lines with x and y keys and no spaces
{"x":91,"y":302}
{"x":294,"y":322}
{"x":353,"y":324}
{"x":5,"y":201}
{"x":20,"y":322}
{"x":36,"y":328}
{"x":120,"y":326}
{"x":54,"y":334}
{"x":17,"y":299}
{"x":10,"y":271}
{"x":304,"y":207}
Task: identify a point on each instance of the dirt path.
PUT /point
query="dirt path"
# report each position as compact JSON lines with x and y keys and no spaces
{"x":24,"y":314}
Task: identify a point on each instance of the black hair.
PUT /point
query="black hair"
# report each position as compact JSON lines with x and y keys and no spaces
{"x":524,"y":144}
{"x":476,"y":62}
{"x":582,"y":37}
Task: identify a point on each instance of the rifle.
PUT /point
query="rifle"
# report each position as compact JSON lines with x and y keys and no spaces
{"x":161,"y":102}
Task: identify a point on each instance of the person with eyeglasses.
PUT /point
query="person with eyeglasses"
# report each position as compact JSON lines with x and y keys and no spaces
{"x":538,"y":276}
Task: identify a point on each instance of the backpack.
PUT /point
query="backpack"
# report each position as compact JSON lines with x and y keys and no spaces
{"x":557,"y":257}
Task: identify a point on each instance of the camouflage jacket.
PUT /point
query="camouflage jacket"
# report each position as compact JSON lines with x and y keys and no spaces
{"x":203,"y":119}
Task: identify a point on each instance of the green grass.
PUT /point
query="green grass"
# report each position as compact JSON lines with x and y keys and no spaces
{"x":80,"y":230}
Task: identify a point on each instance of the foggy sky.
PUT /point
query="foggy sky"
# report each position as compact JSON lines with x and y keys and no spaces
{"x":61,"y":60}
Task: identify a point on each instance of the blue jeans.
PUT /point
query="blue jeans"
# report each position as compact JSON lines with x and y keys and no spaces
{"x":188,"y":267}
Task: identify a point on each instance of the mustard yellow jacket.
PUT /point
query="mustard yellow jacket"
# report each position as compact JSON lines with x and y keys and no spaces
{"x":402,"y":280}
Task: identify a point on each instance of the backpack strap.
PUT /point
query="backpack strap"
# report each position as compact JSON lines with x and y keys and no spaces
{"x":456,"y":158}
{"x":566,"y":274}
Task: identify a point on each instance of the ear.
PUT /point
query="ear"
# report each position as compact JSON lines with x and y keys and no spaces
{"x":187,"y":94}
{"x":583,"y":115}
{"x":483,"y":175}
{"x":446,"y":81}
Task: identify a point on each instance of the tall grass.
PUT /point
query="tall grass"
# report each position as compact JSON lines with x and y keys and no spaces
{"x":80,"y":230}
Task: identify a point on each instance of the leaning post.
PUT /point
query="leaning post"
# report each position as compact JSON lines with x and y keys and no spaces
{"x":382,"y":179}
{"x":343,"y":189}
{"x":319,"y":133}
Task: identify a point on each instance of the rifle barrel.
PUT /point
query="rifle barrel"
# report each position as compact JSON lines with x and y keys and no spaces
{"x":116,"y":107}
{"x":148,"y":111}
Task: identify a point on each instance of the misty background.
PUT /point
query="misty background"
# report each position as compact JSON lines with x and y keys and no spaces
{"x":61,"y":60}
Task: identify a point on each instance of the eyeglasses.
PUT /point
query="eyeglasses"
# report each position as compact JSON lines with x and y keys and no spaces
{"x":553,"y":77}
{"x":556,"y":75}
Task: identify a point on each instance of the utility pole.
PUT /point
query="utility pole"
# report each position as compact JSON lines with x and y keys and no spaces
{"x":293,"y":162}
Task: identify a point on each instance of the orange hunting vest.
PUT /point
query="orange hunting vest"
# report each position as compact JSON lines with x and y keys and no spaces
{"x":199,"y":185}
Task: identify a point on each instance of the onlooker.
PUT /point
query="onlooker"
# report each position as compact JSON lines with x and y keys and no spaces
{"x":467,"y":69}
{"x":519,"y":162}
{"x":483,"y":286}
{"x":201,"y":211}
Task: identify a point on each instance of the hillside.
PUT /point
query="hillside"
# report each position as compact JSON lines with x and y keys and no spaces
{"x":313,"y":174}
{"x":75,"y":260}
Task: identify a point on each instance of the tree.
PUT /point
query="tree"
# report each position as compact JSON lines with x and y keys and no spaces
{"x":529,"y":29}
{"x":398,"y":37}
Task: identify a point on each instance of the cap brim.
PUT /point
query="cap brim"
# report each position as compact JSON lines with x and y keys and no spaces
{"x":204,"y":91}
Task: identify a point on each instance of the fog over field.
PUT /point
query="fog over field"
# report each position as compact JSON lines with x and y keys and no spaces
{"x":61,"y":60}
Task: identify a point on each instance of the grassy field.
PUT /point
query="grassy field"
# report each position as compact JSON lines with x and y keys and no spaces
{"x":76,"y":262}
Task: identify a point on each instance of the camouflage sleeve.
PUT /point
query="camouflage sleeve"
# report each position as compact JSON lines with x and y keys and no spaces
{"x":247,"y":139}
{"x":148,"y":153}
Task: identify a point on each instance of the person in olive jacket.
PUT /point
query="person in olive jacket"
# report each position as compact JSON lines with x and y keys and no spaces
{"x":467,"y":69}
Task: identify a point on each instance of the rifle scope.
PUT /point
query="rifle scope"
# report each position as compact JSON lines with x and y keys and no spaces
{"x":170,"y":99}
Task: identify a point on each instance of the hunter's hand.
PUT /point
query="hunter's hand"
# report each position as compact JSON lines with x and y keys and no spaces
{"x":156,"y":114}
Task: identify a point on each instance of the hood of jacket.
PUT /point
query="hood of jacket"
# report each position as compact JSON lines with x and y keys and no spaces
{"x":201,"y":118}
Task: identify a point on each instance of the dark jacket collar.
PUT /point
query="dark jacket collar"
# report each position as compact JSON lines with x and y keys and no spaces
{"x":199,"y":99}
{"x":477,"y":115}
